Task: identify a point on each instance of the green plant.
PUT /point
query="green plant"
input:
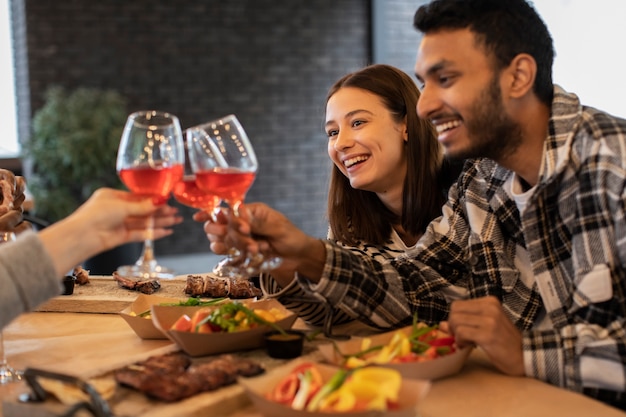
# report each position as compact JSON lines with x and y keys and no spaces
{"x":73,"y":148}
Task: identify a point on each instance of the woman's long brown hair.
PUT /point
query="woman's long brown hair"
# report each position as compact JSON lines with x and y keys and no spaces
{"x":359,"y":216}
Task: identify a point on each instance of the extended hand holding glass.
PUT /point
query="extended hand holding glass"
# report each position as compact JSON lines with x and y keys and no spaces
{"x":7,"y":373}
{"x":225,"y":165}
{"x":150,"y":162}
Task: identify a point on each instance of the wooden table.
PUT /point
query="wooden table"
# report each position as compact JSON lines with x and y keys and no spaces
{"x":86,"y":344}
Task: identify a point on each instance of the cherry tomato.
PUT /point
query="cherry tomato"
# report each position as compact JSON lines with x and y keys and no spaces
{"x":183,"y":324}
{"x":442,"y":341}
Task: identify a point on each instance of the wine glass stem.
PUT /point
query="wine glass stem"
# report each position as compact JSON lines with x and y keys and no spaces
{"x":147,"y":256}
{"x":3,"y":357}
{"x":236,"y":205}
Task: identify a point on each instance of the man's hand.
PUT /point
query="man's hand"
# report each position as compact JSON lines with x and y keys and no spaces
{"x":482,"y":322}
{"x":261,"y":229}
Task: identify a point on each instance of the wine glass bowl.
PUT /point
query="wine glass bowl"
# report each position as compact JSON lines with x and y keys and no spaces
{"x":228,"y":183}
{"x":150,"y":163}
{"x":222,"y":158}
{"x":187,"y":192}
{"x":225,"y":165}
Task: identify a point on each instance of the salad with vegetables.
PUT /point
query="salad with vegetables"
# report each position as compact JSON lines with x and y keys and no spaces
{"x":423,"y":343}
{"x":190,"y":302}
{"x":348,"y":390}
{"x":228,"y":317}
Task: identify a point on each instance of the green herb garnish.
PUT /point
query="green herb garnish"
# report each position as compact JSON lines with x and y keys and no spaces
{"x":190,"y":302}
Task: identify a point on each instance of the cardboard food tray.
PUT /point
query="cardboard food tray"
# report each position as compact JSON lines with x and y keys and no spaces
{"x":144,"y":326}
{"x":200,"y":344}
{"x":431,"y":369}
{"x":412,"y":392}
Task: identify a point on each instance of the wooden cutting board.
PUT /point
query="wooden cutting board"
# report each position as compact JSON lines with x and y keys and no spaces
{"x":129,"y":403}
{"x":103,"y":295}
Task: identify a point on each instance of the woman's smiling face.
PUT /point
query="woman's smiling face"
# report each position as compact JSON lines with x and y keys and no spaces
{"x":364,"y":140}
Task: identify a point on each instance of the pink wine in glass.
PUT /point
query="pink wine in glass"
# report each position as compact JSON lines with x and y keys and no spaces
{"x":229,"y":184}
{"x":188,"y":193}
{"x":156,"y":182}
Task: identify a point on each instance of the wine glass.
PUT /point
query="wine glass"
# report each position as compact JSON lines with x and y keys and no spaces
{"x":225,"y":164}
{"x":187,"y":192}
{"x":7,"y":373}
{"x":150,"y":162}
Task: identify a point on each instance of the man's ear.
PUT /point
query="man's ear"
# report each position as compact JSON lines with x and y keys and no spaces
{"x":521,"y":75}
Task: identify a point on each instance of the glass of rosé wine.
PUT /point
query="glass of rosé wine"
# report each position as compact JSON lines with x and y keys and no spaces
{"x":150,"y":162}
{"x":187,"y":192}
{"x":225,"y":165}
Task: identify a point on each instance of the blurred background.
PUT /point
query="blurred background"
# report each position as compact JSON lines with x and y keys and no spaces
{"x":270,"y":62}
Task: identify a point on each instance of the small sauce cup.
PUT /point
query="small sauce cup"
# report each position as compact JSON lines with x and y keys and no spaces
{"x":68,"y":285}
{"x":284,"y":346}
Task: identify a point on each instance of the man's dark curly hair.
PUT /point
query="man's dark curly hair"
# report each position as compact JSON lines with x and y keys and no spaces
{"x":505,"y":28}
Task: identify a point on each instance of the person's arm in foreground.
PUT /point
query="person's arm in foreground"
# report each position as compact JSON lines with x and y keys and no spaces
{"x":31,"y":268}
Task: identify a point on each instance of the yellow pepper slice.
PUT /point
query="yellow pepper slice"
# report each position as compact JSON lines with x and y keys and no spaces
{"x":370,"y":388}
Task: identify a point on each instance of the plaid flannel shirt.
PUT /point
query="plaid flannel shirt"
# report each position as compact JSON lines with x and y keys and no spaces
{"x":562,"y":260}
{"x":311,"y":307}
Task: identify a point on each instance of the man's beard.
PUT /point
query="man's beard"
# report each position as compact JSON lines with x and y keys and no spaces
{"x":492,"y":133}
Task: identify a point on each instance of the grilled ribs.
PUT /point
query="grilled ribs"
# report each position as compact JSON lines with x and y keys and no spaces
{"x":208,"y":286}
{"x":148,"y":286}
{"x":173,"y":377}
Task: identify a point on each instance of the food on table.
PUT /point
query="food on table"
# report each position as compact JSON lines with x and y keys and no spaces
{"x":208,"y":286}
{"x":370,"y":388}
{"x":229,"y":317}
{"x":173,"y":377}
{"x":82,"y":275}
{"x":422,"y":344}
{"x":147,"y":286}
{"x":190,"y":302}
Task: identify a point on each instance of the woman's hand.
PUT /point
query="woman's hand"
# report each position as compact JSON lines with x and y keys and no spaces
{"x":120,"y":217}
{"x":109,"y":218}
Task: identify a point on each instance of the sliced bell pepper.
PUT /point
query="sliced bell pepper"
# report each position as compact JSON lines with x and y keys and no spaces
{"x":335,"y":382}
{"x":370,"y":388}
{"x":285,"y":391}
{"x":310,"y":383}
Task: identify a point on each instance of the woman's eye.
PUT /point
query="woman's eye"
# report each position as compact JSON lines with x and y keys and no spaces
{"x":357,"y":123}
{"x":332,"y":133}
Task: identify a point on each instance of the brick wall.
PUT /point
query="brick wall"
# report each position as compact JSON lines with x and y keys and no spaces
{"x":269,"y":61}
{"x":395,"y":41}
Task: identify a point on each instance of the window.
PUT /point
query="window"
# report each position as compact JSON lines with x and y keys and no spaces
{"x":589,"y":60}
{"x":8,"y":118}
